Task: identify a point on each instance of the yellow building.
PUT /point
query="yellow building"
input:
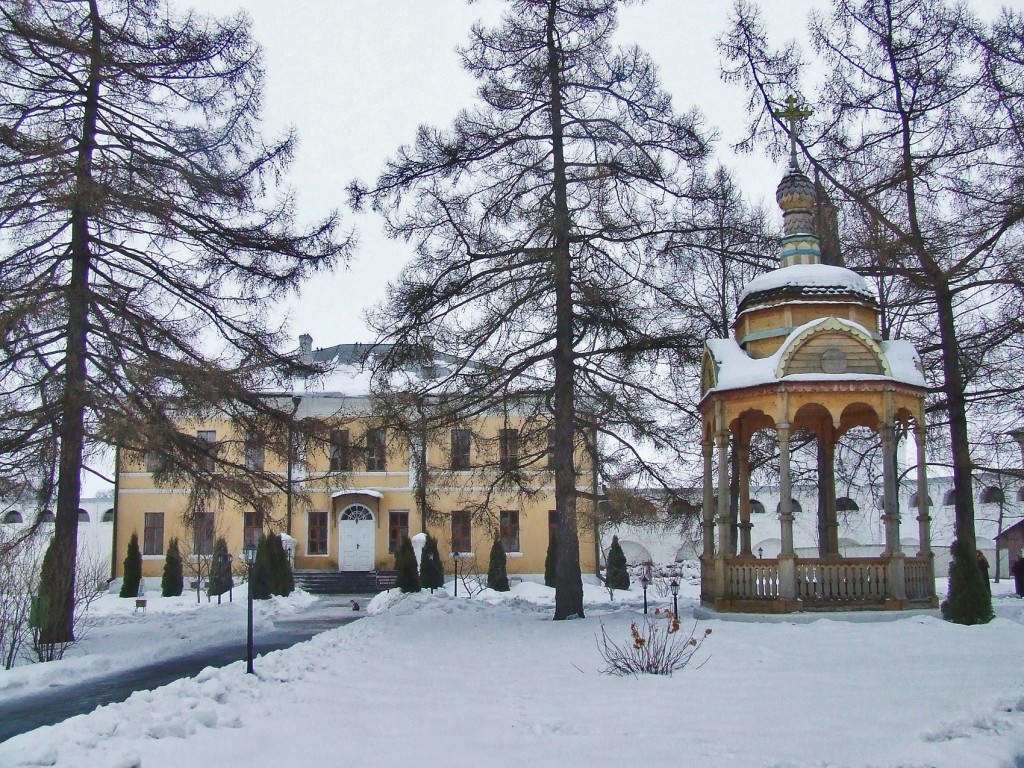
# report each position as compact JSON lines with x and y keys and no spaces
{"x":354,"y":497}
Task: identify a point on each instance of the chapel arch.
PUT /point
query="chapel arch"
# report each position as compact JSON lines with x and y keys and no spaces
{"x":858,"y":414}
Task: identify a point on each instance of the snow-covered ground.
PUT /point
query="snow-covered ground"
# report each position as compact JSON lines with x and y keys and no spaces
{"x":114,"y":635}
{"x":434,"y":680}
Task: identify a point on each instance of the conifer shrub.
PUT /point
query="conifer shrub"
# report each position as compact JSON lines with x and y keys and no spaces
{"x":132,"y":569}
{"x":260,"y":575}
{"x":968,"y":601}
{"x":617,"y":574}
{"x":172,"y":583}
{"x":220,"y":569}
{"x":408,"y":579}
{"x":431,"y":566}
{"x":282,"y":582}
{"x":551,"y":562}
{"x":497,"y":568}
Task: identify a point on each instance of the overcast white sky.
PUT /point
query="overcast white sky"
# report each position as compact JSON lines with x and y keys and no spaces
{"x":356,"y":77}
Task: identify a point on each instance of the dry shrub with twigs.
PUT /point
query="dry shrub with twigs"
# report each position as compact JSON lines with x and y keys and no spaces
{"x":658,"y":648}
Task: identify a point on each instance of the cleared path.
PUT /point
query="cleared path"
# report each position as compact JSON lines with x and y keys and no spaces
{"x":26,"y":713}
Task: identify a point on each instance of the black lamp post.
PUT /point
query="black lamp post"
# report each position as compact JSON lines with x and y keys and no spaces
{"x":249,"y":555}
{"x":296,"y":399}
{"x":760,"y":552}
{"x":674,"y":586}
{"x":644,"y":581}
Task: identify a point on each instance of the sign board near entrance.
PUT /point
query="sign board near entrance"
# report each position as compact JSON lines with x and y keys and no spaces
{"x":387,"y":579}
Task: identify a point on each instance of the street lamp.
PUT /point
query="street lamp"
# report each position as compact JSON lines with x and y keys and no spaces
{"x":674,"y":586}
{"x":760,"y":552}
{"x":644,"y":581}
{"x":296,"y":399}
{"x":249,"y":555}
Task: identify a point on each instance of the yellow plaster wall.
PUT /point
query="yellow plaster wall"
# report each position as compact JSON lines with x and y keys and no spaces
{"x":138,"y":494}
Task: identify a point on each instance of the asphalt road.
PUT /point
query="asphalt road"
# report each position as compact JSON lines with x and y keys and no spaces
{"x":25,"y":713}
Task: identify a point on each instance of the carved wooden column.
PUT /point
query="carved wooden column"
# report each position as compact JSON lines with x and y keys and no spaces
{"x":890,"y":516}
{"x":896,"y":578}
{"x":785,"y":492}
{"x":743,"y":446}
{"x":787,"y":558}
{"x":708,"y":511}
{"x":724,"y":521}
{"x":831,"y":516}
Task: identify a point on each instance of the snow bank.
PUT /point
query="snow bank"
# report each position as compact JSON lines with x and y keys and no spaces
{"x":492,"y":681}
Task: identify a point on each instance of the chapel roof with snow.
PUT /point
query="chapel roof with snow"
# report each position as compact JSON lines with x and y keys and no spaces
{"x":806,"y":321}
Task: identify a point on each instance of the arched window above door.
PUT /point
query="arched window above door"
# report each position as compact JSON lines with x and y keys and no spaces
{"x":356,"y":512}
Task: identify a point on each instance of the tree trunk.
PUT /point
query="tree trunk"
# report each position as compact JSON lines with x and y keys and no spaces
{"x":58,"y":574}
{"x":953,"y":389}
{"x":568,"y":580}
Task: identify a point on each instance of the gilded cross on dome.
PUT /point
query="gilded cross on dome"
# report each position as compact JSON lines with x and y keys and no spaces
{"x":793,"y":116}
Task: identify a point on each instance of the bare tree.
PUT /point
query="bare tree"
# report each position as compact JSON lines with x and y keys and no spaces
{"x":538,"y":218}
{"x":144,"y":232}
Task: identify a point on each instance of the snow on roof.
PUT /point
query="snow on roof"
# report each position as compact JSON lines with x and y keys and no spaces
{"x":345,"y":379}
{"x":815,"y":276}
{"x":737,"y":370}
{"x":904,"y":361}
{"x":357,"y":492}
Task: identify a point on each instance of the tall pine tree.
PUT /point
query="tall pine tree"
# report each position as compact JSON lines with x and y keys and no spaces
{"x":133,"y":209}
{"x":538,"y":218}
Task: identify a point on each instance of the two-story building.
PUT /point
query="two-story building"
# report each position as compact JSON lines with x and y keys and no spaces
{"x":352,"y":497}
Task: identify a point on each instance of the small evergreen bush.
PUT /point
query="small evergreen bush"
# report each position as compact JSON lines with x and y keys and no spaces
{"x":220,"y":570}
{"x":282,"y":582}
{"x":259,"y":578}
{"x":968,"y":600}
{"x":172,"y":583}
{"x":431,"y":567}
{"x":405,"y":564}
{"x":617,"y":574}
{"x":497,"y":568}
{"x":551,"y":562}
{"x":132,"y":569}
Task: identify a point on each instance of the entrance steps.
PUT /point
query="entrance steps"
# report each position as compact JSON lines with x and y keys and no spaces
{"x":341,"y":582}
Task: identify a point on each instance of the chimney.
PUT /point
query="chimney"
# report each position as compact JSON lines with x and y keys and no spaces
{"x":306,"y":349}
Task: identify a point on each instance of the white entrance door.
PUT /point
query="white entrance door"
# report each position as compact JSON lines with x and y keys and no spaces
{"x":355,"y":538}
